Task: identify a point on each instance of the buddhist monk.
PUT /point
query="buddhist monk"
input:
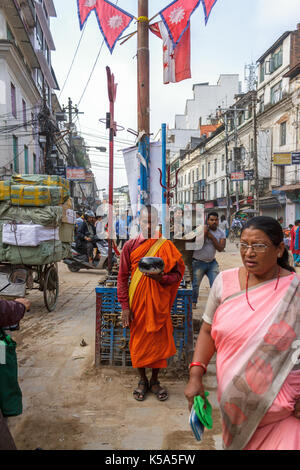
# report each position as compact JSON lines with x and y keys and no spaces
{"x":146,"y":303}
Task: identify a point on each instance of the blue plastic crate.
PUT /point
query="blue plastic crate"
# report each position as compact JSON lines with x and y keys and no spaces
{"x":113,"y":347}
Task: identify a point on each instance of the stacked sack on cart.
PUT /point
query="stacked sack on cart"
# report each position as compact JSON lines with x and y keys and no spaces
{"x":36,"y":219}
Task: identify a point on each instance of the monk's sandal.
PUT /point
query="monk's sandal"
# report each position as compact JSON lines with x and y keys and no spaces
{"x":161,"y":393}
{"x":139,"y":394}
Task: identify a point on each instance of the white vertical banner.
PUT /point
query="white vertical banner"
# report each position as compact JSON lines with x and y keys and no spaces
{"x":132,"y":166}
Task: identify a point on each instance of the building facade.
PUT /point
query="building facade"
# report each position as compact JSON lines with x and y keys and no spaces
{"x":252,"y":159}
{"x":26,"y":83}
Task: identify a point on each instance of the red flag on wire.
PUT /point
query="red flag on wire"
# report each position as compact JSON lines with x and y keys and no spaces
{"x":176,"y":17}
{"x":112,"y":20}
{"x":176,"y":62}
{"x":208,"y":5}
{"x":84,"y":9}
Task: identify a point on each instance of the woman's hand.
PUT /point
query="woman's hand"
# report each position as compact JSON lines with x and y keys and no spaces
{"x":194,"y":387}
{"x":127,"y":318}
{"x":297,"y":409}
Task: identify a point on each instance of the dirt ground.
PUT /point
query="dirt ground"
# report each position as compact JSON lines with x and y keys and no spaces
{"x":69,"y":404}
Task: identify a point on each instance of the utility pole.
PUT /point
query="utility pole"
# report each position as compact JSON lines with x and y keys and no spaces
{"x":255,"y":156}
{"x":72,"y":110}
{"x":143,"y":90}
{"x":228,"y":199}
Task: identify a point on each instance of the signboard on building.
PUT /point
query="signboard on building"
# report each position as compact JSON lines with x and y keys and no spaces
{"x":222,"y":202}
{"x":296,"y":158}
{"x":75,"y":174}
{"x":209,"y":205}
{"x":282,"y":158}
{"x":237,"y":176}
{"x":60,"y":171}
{"x":249,"y":175}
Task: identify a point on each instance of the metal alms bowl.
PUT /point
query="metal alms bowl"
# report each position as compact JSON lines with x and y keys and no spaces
{"x":149,"y":265}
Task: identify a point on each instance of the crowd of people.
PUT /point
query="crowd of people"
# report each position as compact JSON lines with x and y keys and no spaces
{"x":251,"y":320}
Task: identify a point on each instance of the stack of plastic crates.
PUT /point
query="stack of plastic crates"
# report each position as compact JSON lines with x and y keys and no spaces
{"x":112,"y":340}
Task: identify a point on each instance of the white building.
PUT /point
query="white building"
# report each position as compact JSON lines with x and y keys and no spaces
{"x":199,"y":110}
{"x":26,"y":76}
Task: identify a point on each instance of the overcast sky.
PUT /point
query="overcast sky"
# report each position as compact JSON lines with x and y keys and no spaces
{"x":238,"y":33}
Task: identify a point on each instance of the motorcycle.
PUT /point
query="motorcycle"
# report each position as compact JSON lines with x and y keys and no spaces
{"x":79,"y":261}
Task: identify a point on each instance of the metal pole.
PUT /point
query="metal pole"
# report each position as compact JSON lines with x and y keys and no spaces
{"x":164,"y":176}
{"x":112,"y":91}
{"x":143,"y":98}
{"x":227,"y":172}
{"x":255,"y":156}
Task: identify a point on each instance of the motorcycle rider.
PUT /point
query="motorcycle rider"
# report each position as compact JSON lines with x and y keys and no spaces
{"x":85,"y":236}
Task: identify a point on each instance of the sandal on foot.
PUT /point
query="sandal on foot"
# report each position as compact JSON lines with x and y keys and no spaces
{"x":161,"y":393}
{"x":138,"y":393}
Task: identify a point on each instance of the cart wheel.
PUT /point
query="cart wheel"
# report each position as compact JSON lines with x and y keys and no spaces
{"x":51,"y":288}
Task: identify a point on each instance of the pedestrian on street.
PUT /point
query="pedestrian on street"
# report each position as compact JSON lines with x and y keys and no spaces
{"x":204,"y":260}
{"x":11,"y":312}
{"x":85,"y":236}
{"x":252,"y":321}
{"x":295,"y":243}
{"x":147,"y":302}
{"x":224,"y":225}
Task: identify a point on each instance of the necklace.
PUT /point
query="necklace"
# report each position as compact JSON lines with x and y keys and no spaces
{"x":247,"y":280}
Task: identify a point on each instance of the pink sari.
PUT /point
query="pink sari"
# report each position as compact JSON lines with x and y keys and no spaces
{"x":258,"y":382}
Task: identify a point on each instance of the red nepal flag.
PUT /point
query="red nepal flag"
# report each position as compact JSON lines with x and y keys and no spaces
{"x":176,"y":17}
{"x":112,"y":20}
{"x":84,"y":9}
{"x":176,"y":62}
{"x":208,"y":5}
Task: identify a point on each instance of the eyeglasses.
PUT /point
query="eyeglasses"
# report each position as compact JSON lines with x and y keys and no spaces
{"x":256,"y":247}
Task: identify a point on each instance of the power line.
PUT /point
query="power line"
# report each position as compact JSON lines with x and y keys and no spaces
{"x":72,"y":63}
{"x":94,"y":66}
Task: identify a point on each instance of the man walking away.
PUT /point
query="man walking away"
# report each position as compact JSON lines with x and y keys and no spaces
{"x":204,"y":261}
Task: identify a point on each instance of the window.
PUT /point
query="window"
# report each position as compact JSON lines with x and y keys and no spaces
{"x":215,"y":190}
{"x":34,"y":163}
{"x":39,"y":35}
{"x":26,"y":166}
{"x":47,"y":53}
{"x":203,"y":172}
{"x":283,"y":133}
{"x":208,"y":169}
{"x":40,"y":81}
{"x":276,"y":93}
{"x":276,"y":60}
{"x":16,"y":154}
{"x":215,"y":165}
{"x":223,"y":162}
{"x":262,"y":72}
{"x":24,"y":114}
{"x":208,"y":191}
{"x":222,"y":188}
{"x":10,"y":35}
{"x":13,"y":100}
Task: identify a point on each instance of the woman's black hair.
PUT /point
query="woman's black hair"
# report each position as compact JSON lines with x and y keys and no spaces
{"x":273,"y":230}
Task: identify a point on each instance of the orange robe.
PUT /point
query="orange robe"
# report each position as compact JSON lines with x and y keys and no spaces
{"x":151,"y":331}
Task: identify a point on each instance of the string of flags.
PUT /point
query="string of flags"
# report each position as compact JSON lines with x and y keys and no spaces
{"x":112,"y":20}
{"x":173,"y":29}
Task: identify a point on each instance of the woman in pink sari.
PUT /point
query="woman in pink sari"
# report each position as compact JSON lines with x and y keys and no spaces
{"x":252,"y":321}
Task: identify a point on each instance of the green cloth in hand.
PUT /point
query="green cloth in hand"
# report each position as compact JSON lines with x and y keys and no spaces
{"x":203,"y":410}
